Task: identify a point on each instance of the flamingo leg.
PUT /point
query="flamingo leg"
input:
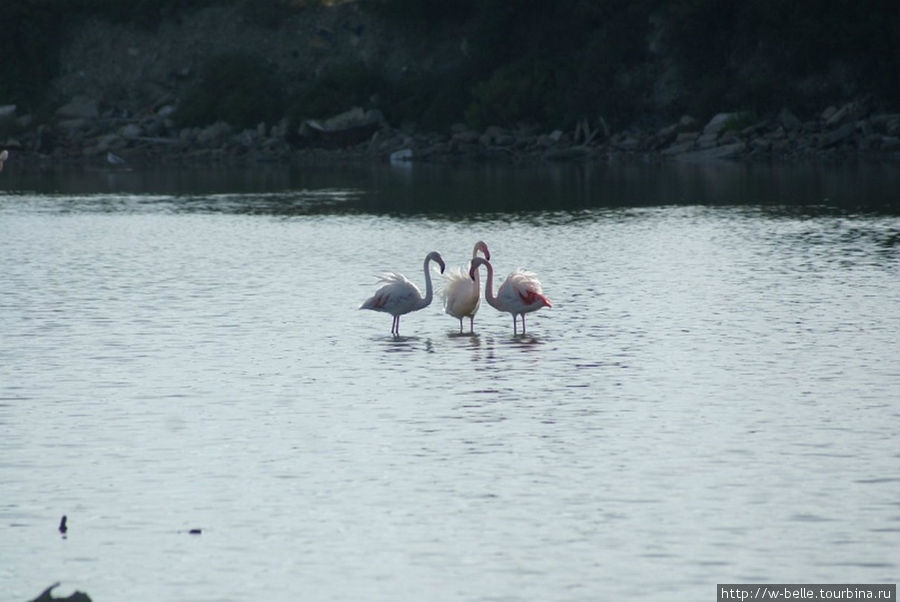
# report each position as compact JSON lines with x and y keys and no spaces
{"x":515,"y":325}
{"x":472,"y":324}
{"x":460,"y":326}
{"x":523,"y":323}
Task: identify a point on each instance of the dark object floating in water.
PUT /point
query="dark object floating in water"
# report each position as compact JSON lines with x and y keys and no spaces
{"x":46,"y":596}
{"x":62,"y":525}
{"x":195,"y":531}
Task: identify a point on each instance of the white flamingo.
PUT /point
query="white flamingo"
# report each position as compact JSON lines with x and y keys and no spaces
{"x":462,"y":295}
{"x":398,"y":296}
{"x":4,"y":155}
{"x":519,"y":294}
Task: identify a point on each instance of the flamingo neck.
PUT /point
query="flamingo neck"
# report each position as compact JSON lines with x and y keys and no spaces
{"x":429,"y":289}
{"x":489,"y":287}
{"x":477,"y":279}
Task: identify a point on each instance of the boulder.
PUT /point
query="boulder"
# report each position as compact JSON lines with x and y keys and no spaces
{"x":836,"y":136}
{"x":79,"y":108}
{"x":344,"y":129}
{"x":214,"y":135}
{"x":789,"y":121}
{"x":717,"y":153}
{"x":718,"y":123}
{"x":130,"y":130}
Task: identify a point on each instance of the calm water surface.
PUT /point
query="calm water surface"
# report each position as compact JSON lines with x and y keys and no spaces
{"x":713,"y":398}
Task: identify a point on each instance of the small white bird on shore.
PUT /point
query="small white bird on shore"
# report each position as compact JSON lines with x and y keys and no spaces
{"x":4,"y":155}
{"x":114,"y":159}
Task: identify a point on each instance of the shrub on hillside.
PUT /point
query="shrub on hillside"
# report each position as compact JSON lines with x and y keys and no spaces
{"x":236,"y":88}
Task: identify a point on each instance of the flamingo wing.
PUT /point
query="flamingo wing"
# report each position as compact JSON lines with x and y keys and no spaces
{"x":397,"y":295}
{"x":522,"y":289}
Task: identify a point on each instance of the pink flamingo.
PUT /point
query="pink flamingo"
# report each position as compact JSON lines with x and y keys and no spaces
{"x":398,"y":296}
{"x":462,"y":294}
{"x":519,"y":294}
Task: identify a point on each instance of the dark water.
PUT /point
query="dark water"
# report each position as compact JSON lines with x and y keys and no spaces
{"x":713,"y":397}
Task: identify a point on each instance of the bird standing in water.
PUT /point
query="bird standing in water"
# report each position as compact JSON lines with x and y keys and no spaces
{"x":519,"y":294}
{"x":462,"y":294}
{"x":398,"y":296}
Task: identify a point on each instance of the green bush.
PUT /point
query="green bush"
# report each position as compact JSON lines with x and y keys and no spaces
{"x":337,"y":88}
{"x":525,"y":91}
{"x":29,"y":46}
{"x":236,"y":88}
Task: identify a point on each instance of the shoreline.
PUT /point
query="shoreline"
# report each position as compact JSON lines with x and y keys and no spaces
{"x":80,"y":136}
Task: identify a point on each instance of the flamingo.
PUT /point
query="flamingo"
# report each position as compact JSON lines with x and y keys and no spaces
{"x":519,"y":294}
{"x":398,"y":296}
{"x":4,"y":155}
{"x":462,"y":295}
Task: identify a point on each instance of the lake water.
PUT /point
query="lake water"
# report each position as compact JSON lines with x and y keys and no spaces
{"x":713,"y":398}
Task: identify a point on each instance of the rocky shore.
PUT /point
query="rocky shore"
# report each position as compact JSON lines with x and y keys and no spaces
{"x":83,"y":132}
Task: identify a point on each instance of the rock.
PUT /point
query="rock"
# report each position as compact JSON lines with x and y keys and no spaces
{"x":12,"y":143}
{"x":761,"y":145}
{"x":678,"y":148}
{"x":71,"y":125}
{"x":717,"y":153}
{"x":848,"y":112}
{"x":567,"y":154}
{"x":402,"y":156}
{"x":718,"y":123}
{"x":109,"y":142}
{"x":166,"y":111}
{"x":466,"y":136}
{"x":684,"y":142}
{"x":130,"y":130}
{"x":214,"y":135}
{"x":688,"y":123}
{"x":79,"y":108}
{"x":707,"y":140}
{"x":626,"y":142}
{"x":756,"y":128}
{"x":889,"y":143}
{"x":837,"y":136}
{"x":789,"y":121}
{"x":344,"y":129}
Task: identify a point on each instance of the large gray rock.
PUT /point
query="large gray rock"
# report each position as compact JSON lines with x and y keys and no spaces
{"x":214,"y":135}
{"x":79,"y":108}
{"x":836,"y":136}
{"x":718,"y":123}
{"x":789,"y":121}
{"x":717,"y":153}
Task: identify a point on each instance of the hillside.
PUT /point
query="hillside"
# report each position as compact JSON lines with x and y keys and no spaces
{"x":590,"y":69}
